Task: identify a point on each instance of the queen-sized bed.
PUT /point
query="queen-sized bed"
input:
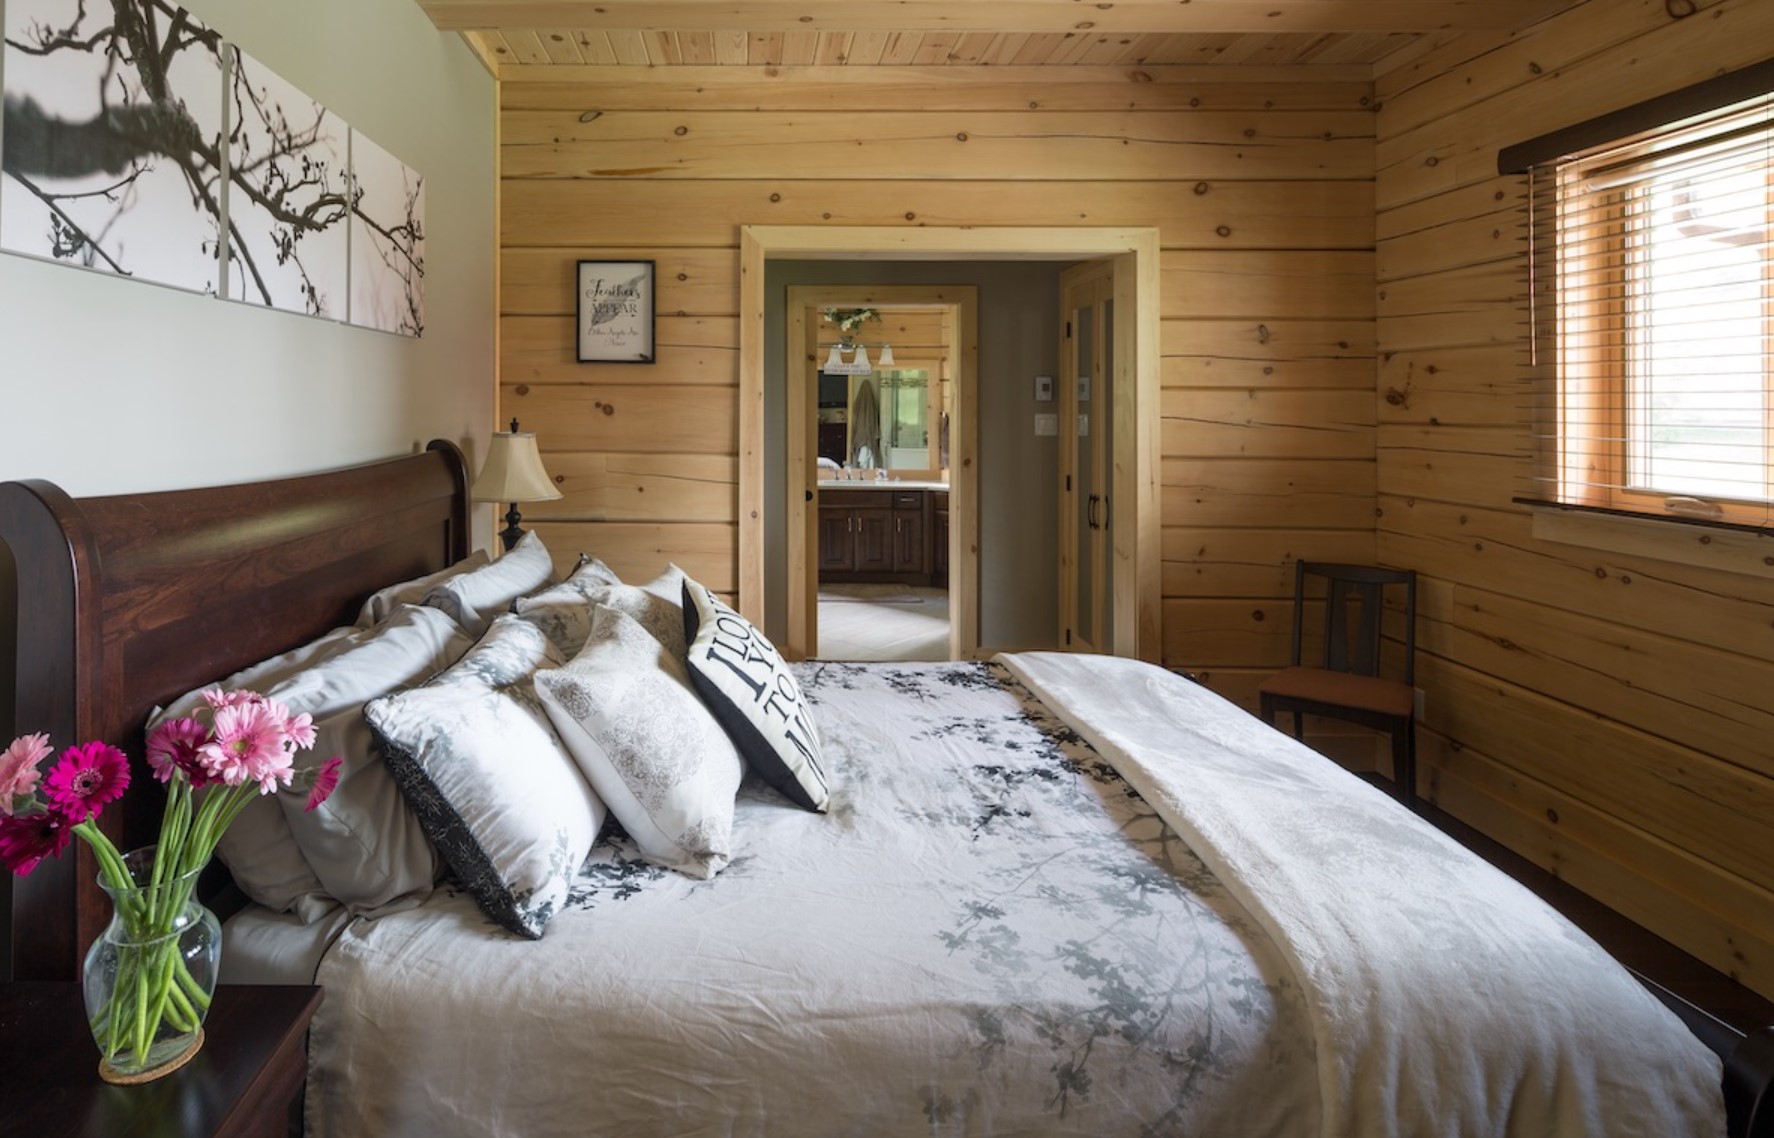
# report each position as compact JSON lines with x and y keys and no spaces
{"x":1051,"y":895}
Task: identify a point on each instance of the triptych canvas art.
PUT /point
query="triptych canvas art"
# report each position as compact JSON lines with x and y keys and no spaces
{"x":137,"y":141}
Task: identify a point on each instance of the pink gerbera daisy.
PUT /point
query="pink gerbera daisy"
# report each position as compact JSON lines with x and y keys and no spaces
{"x":86,"y":778}
{"x":249,"y":745}
{"x":175,"y":746}
{"x":18,"y":769}
{"x":27,"y":839}
{"x":218,"y":699}
{"x":326,"y":780}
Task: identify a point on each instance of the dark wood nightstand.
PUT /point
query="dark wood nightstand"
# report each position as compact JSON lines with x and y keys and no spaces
{"x":243,"y":1084}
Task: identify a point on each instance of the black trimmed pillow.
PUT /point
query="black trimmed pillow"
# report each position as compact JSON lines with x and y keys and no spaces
{"x":479,"y":762}
{"x":743,"y":679}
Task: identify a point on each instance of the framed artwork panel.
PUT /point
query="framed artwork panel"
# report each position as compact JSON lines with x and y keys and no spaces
{"x":615,"y":312}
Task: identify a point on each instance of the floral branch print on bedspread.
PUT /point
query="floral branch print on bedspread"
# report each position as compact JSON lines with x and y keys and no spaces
{"x":1038,"y":797}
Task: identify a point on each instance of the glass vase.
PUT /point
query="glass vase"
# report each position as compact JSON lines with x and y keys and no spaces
{"x":150,"y":975}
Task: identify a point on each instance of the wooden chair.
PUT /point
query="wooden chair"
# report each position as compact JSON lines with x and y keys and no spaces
{"x":1348,"y":685}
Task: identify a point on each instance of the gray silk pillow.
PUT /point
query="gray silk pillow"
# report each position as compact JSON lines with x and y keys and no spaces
{"x":413,"y":592}
{"x":473,"y":599}
{"x":476,"y":757}
{"x":364,"y":843}
{"x":647,"y":746}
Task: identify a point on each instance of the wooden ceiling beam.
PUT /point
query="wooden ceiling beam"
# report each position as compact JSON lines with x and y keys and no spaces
{"x":1023,"y":16}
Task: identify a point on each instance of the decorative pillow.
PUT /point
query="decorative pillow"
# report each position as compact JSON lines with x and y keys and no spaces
{"x":476,"y":757}
{"x":364,"y":843}
{"x":259,"y":849}
{"x":743,"y":680}
{"x":564,"y":611}
{"x":649,"y":748}
{"x":473,"y":599}
{"x":384,"y":601}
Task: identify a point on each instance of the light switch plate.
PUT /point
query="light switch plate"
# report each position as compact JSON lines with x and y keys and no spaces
{"x":1044,"y":389}
{"x":1047,"y":425}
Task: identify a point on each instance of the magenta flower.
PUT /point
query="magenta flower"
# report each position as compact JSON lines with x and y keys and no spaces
{"x":326,"y":780}
{"x":175,"y":746}
{"x":249,"y":744}
{"x":86,"y":778}
{"x":27,"y":839}
{"x":18,"y":769}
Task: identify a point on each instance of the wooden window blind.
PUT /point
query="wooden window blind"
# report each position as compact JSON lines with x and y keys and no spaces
{"x":1651,"y":313}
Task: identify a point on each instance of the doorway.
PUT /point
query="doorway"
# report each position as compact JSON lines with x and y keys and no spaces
{"x":1134,"y":524}
{"x":871,"y":517}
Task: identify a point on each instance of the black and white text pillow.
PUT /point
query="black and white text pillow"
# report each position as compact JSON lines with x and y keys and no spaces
{"x":743,"y":680}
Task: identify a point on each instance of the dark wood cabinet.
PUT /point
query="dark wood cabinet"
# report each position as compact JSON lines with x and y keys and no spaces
{"x":875,"y":536}
{"x":939,"y":538}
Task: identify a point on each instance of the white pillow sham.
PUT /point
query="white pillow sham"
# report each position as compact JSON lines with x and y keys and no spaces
{"x":475,"y":756}
{"x":473,"y":599}
{"x":650,"y":750}
{"x":384,"y":601}
{"x":364,"y":843}
{"x":563,"y":612}
{"x":259,"y":849}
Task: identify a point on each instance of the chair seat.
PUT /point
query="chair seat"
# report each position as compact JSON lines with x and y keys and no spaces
{"x":1342,"y":689}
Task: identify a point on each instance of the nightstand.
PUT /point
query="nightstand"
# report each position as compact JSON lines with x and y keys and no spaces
{"x":242,"y":1084}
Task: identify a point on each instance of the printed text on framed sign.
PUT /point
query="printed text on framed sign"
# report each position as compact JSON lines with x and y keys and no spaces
{"x":615,"y":309}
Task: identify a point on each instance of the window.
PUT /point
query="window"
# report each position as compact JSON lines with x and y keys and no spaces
{"x":1653,"y":320}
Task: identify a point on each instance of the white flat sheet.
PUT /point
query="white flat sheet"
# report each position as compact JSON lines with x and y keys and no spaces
{"x":988,"y":934}
{"x":1447,"y":999}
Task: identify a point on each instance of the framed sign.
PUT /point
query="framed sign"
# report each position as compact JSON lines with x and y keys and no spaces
{"x":615,"y":307}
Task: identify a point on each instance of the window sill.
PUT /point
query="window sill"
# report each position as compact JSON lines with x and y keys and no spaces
{"x":1709,"y":545}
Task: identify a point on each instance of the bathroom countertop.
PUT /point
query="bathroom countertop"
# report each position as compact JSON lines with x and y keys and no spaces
{"x":891,"y":484}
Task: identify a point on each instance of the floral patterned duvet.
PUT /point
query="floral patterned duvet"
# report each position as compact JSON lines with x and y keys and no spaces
{"x":989,"y":933}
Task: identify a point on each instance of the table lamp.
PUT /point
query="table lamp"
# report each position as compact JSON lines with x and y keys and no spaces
{"x":513,"y":473}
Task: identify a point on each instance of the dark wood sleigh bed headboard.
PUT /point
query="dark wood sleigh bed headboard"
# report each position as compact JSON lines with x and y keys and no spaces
{"x":126,"y":602}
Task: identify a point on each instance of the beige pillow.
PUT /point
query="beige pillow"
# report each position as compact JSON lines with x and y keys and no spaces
{"x":384,"y":601}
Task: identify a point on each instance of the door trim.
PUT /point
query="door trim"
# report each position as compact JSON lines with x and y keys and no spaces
{"x":1136,"y":518}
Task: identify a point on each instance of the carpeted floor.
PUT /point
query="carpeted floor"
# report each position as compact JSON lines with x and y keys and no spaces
{"x":882,"y":622}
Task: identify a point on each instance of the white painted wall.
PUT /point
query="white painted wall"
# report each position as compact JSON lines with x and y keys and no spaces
{"x":110,"y":385}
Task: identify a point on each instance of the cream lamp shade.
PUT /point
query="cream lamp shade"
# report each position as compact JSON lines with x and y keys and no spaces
{"x":513,"y":473}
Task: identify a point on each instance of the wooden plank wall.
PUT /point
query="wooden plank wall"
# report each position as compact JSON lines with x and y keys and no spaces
{"x":1260,"y":181}
{"x":1607,"y":715}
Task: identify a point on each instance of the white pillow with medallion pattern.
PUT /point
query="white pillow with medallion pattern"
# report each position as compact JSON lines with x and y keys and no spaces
{"x":473,"y":599}
{"x":744,"y":681}
{"x":475,"y":756}
{"x":653,"y":753}
{"x":564,"y":611}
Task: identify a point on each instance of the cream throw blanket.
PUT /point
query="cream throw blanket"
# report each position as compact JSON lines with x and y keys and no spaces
{"x":1446,"y":999}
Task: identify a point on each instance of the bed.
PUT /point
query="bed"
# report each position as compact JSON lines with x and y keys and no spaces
{"x":1050,"y":895}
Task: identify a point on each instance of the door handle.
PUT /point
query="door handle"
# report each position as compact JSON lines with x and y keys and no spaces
{"x":1090,"y":512}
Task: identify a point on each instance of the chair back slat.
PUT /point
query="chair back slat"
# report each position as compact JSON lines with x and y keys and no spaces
{"x":1354,"y":611}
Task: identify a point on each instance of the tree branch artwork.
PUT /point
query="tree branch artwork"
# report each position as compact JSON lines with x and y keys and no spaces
{"x":113,"y":118}
{"x":113,"y":158}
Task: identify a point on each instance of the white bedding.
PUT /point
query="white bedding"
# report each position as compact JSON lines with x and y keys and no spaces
{"x":1446,"y":998}
{"x":986,"y":934}
{"x":992,"y":933}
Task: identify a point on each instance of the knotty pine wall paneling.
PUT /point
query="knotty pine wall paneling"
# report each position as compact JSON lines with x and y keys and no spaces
{"x":1263,"y":193}
{"x":1607,"y":715}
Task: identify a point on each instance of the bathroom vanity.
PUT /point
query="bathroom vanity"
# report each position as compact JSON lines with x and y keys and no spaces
{"x":884,"y":533}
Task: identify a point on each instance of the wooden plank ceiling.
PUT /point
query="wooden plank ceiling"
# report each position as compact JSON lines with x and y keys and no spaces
{"x":872,"y":33}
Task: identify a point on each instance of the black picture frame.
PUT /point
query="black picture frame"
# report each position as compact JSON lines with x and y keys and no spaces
{"x":614,"y":312}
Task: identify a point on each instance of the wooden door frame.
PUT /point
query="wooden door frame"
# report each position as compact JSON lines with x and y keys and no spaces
{"x":961,"y":330}
{"x":1134,"y":516}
